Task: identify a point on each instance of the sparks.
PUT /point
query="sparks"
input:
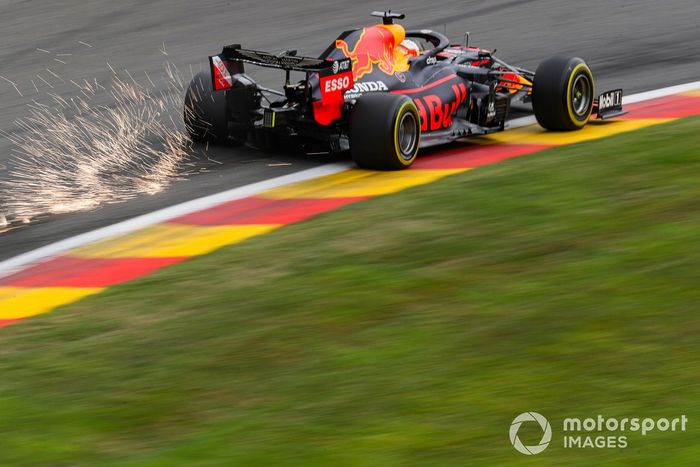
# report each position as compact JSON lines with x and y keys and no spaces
{"x":14,"y":85}
{"x":55,"y":75}
{"x":45,"y":82}
{"x":81,"y":154}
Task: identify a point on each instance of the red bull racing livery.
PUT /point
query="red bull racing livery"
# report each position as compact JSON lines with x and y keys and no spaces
{"x":381,"y":93}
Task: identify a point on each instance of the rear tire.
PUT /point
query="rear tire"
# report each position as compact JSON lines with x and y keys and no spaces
{"x":563,"y":93}
{"x":384,"y":132}
{"x":205,"y":111}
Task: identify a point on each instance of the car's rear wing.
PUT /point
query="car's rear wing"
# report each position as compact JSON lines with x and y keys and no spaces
{"x":231,"y":59}
{"x":287,"y":60}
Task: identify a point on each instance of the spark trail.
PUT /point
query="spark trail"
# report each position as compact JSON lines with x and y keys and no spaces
{"x":80,"y":154}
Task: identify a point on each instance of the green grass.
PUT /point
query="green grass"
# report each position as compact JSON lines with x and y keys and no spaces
{"x":405,"y":330}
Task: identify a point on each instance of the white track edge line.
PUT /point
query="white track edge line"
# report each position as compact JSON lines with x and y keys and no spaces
{"x":632,"y":99}
{"x":18,"y":262}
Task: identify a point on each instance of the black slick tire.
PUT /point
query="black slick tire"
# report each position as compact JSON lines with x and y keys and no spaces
{"x":384,"y":131}
{"x":205,"y":111}
{"x":562,"y":94}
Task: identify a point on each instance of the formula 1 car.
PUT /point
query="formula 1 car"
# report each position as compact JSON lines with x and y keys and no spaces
{"x":382,"y":92}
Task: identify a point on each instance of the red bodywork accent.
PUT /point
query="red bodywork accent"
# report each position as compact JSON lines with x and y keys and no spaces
{"x":330,"y":107}
{"x":325,"y":114}
{"x":222,"y":77}
{"x":427,"y":86}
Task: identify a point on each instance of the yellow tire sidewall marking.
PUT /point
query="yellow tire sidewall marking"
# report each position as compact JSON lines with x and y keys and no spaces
{"x":572,"y":115}
{"x":397,"y":151}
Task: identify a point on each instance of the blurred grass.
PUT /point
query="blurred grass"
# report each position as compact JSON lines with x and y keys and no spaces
{"x":405,"y":330}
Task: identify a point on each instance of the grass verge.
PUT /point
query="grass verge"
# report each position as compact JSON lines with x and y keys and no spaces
{"x":405,"y":330}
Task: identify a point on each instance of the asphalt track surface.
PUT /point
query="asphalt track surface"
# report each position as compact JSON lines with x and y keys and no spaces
{"x":639,"y":45}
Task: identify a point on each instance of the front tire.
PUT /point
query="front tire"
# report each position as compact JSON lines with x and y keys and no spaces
{"x":563,"y":93}
{"x":384,"y":132}
{"x":205,"y":111}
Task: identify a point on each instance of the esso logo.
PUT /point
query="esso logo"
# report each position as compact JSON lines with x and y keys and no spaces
{"x":337,"y":84}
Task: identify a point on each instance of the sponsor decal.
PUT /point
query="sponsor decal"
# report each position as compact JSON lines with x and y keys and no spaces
{"x":491,"y":111}
{"x":610,"y":100}
{"x":285,"y":61}
{"x":330,"y":107}
{"x":369,"y":86}
{"x":341,"y":65}
{"x":435,"y":114}
{"x":431,"y":61}
{"x":375,"y":46}
{"x":333,"y":86}
{"x":337,"y":83}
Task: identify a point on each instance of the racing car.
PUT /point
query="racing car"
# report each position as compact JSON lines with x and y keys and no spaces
{"x":382,"y":92}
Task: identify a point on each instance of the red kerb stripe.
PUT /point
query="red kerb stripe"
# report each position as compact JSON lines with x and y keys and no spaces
{"x":7,"y":322}
{"x":67,"y":271}
{"x":475,"y":155}
{"x":255,"y":210}
{"x":665,"y":107}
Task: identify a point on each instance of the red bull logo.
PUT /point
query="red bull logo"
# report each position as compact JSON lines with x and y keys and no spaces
{"x":377,"y":45}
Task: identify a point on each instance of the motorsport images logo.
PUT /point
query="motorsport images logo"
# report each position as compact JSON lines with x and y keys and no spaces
{"x":546,"y":433}
{"x":591,"y":432}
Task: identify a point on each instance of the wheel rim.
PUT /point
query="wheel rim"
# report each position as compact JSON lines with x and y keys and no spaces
{"x":581,"y":95}
{"x":408,"y":136}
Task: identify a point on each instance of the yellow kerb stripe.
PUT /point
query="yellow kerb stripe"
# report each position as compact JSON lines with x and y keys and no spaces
{"x":171,"y":240}
{"x":694,"y":93}
{"x":356,"y":182}
{"x":594,"y":130}
{"x":20,"y":302}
